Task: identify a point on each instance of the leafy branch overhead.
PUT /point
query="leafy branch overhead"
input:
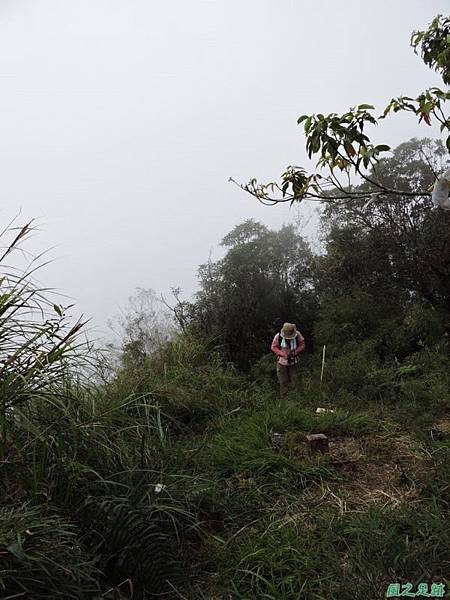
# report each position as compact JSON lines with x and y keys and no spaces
{"x":344,"y":148}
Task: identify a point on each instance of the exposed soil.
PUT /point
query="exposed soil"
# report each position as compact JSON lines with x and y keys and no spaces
{"x":383,"y":470}
{"x":380,"y":470}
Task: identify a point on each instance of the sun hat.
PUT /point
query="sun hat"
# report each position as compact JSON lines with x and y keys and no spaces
{"x":289,"y":331}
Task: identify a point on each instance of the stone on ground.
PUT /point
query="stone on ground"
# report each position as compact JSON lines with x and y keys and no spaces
{"x":317,"y":442}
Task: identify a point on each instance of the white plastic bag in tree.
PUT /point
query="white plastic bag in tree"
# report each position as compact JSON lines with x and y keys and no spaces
{"x":441,"y":191}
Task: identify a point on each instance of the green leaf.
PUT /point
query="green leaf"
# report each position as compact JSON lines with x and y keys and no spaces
{"x":447,"y":143}
{"x":307,"y":124}
{"x":57,"y":309}
{"x":366,"y":107}
{"x":382,"y":148}
{"x":315,"y":144}
{"x":17,"y":550}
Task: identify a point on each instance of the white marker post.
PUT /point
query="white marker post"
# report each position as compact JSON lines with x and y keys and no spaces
{"x":323,"y":365}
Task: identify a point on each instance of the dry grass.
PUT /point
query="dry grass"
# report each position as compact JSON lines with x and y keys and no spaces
{"x":382,"y":470}
{"x":443,"y":426}
{"x":376,"y":470}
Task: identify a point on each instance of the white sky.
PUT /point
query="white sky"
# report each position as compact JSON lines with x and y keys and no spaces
{"x":122,"y":120}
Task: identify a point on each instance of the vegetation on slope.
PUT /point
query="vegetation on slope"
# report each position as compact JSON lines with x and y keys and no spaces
{"x":166,"y":478}
{"x":181,"y":474}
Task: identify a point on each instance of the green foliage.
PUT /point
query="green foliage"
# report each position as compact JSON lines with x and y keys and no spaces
{"x":100,"y":458}
{"x":434,"y":46}
{"x":71,"y":447}
{"x":336,"y":136}
{"x":385,"y":274}
{"x":342,"y":142}
{"x":263,"y":371}
{"x":246,"y":445}
{"x":139,"y":544}
{"x":328,"y":556}
{"x":188,"y":381}
{"x":166,"y":479}
{"x":42,"y":556}
{"x":37,"y":342}
{"x":264,"y":278}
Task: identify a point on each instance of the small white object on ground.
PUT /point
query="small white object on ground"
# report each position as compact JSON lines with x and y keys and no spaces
{"x":320,"y":410}
{"x":159,"y":487}
{"x":441,"y":191}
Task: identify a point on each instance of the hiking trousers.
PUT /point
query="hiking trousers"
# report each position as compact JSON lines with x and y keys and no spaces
{"x":287,"y":377}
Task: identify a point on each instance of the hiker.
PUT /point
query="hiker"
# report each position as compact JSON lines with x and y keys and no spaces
{"x":287,"y":345}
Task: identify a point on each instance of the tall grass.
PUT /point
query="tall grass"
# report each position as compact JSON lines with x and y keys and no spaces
{"x":80,"y":466}
{"x":163,"y":479}
{"x":37,"y":343}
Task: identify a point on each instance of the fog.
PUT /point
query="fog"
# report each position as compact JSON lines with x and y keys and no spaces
{"x":122,"y":121}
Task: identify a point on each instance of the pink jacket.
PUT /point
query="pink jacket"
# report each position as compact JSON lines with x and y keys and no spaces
{"x":283,"y":353}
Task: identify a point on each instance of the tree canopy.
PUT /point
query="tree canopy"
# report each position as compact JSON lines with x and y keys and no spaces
{"x":346,"y":154}
{"x":264,"y":278}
